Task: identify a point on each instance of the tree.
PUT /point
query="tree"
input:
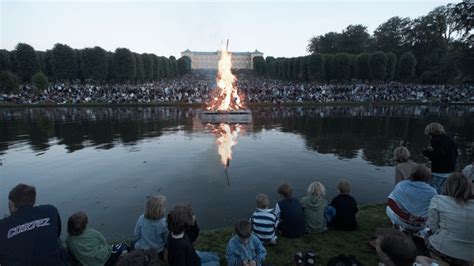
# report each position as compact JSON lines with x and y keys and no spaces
{"x":354,"y":39}
{"x":166,"y":67}
{"x":173,"y":66}
{"x":461,"y":16}
{"x":124,"y":64}
{"x":391,"y":66}
{"x":64,"y":62}
{"x":40,"y":81}
{"x":26,"y":61}
{"x":304,"y":67}
{"x":157,"y":68}
{"x":316,"y":67}
{"x":148,"y":66}
{"x":48,"y":64}
{"x":297,"y":68}
{"x":393,"y":35}
{"x":40,"y":55}
{"x":362,"y":67}
{"x":184,"y":65}
{"x":378,"y":65}
{"x":406,"y":66}
{"x":341,"y":68}
{"x":259,"y":65}
{"x":328,"y":58}
{"x":8,"y":82}
{"x":94,"y":63}
{"x":5,"y":63}
{"x":140,"y":75}
{"x":327,"y":43}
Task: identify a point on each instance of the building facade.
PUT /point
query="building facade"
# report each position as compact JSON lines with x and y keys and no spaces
{"x":209,"y":60}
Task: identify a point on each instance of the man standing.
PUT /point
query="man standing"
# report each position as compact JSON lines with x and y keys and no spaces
{"x":30,"y":235}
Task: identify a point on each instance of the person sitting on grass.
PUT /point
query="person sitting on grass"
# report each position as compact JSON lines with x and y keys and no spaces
{"x":245,"y":249}
{"x":151,"y":230}
{"x":290,"y":213}
{"x":409,"y":201}
{"x":394,"y":248}
{"x":451,"y":219}
{"x":346,"y":208}
{"x":314,"y":207}
{"x":180,"y":247}
{"x":404,"y":166}
{"x":264,"y":221}
{"x":89,"y":246}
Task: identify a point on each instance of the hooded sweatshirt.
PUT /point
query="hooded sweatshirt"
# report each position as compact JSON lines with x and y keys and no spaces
{"x":313,"y":208}
{"x":89,"y":248}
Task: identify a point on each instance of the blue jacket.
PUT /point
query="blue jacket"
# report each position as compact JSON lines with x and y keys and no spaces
{"x":30,"y":236}
{"x":150,"y":233}
{"x":237,"y":252}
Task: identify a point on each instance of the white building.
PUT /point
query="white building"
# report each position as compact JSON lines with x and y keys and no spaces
{"x":209,"y":60}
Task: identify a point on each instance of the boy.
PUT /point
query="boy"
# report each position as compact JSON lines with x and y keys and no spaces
{"x":290,"y":213}
{"x":245,"y":249}
{"x":264,"y":221}
{"x":346,"y":208}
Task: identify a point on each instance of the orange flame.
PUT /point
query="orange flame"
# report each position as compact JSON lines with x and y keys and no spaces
{"x":226,"y":98}
{"x":227,"y":139}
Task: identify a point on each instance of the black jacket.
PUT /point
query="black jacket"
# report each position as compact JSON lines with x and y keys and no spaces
{"x":291,"y":218}
{"x":181,"y":252}
{"x":444,"y":154}
{"x":30,"y":236}
{"x":346,"y":209}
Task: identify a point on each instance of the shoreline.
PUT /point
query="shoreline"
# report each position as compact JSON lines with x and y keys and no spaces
{"x":250,"y":105}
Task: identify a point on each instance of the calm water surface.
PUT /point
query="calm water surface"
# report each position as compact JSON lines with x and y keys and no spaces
{"x":106,"y":161}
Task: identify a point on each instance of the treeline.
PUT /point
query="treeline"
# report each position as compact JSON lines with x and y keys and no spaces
{"x":436,"y":48}
{"x":63,"y":63}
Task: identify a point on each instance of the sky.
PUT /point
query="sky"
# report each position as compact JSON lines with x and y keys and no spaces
{"x":276,"y":28}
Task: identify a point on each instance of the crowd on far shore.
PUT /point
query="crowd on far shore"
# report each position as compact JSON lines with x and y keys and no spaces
{"x":196,"y":87}
{"x":432,"y":204}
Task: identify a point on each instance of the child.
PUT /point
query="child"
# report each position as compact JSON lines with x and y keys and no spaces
{"x":151,"y":230}
{"x":346,"y":208}
{"x":264,"y":221}
{"x":245,"y":249}
{"x":290,"y":213}
{"x":404,"y":166}
{"x":88,"y":246}
{"x":181,"y":251}
{"x":314,"y":207}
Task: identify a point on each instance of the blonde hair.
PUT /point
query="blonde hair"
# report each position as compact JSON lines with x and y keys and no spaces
{"x":401,"y":154}
{"x":344,"y":186}
{"x":262,"y":201}
{"x":458,"y":186}
{"x":420,"y":173}
{"x":316,"y":189}
{"x":155,"y":207}
{"x":434,"y":129}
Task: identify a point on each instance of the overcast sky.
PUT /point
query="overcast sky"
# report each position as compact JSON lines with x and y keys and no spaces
{"x":165,"y":28}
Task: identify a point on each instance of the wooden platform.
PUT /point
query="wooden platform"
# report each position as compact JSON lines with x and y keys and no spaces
{"x":233,"y":117}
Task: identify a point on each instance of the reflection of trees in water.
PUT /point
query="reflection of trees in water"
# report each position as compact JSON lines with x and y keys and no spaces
{"x":339,"y":130}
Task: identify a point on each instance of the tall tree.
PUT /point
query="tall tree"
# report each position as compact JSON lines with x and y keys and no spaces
{"x":391,"y":66}
{"x":305,"y":62}
{"x":378,"y":66}
{"x":64,"y":62}
{"x":9,"y":82}
{"x":124,"y":64}
{"x":393,"y":35}
{"x":406,"y":66}
{"x":354,"y":39}
{"x":184,"y":65}
{"x":26,"y":60}
{"x":316,"y":67}
{"x":341,"y":68}
{"x":327,"y":43}
{"x":259,"y":65}
{"x":140,"y":74}
{"x":148,"y":66}
{"x":362,"y":67}
{"x":173,"y":66}
{"x":328,"y":60}
{"x":5,"y":63}
{"x":94,"y":63}
{"x":297,"y":68}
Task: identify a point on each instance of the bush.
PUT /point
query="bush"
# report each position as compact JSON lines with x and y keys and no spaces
{"x":8,"y":82}
{"x":40,"y":81}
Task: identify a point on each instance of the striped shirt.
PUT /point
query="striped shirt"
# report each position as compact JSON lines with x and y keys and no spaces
{"x":264,"y":223}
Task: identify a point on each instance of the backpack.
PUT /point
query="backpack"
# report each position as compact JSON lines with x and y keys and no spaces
{"x":342,"y":260}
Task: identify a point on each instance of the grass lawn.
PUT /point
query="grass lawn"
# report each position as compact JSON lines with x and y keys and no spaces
{"x":326,"y":245}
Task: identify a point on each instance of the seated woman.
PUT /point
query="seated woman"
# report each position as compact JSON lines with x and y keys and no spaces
{"x":408,"y":203}
{"x":89,"y":246}
{"x":404,"y":166}
{"x":451,"y":219}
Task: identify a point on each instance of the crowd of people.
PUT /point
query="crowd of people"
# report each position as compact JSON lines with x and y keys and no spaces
{"x":434,"y":204}
{"x":196,"y":87}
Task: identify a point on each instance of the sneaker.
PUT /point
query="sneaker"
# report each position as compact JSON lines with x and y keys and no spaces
{"x":309,"y":258}
{"x":299,"y":259}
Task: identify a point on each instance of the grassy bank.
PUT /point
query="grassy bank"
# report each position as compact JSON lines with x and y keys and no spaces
{"x":326,"y":245}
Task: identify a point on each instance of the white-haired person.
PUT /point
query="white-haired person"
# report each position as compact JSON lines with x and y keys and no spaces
{"x":404,"y":166}
{"x":451,"y":219}
{"x":407,"y":204}
{"x":316,"y":211}
{"x":443,"y":155}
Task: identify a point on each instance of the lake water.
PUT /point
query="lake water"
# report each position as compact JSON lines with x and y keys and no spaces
{"x":107,"y":160}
